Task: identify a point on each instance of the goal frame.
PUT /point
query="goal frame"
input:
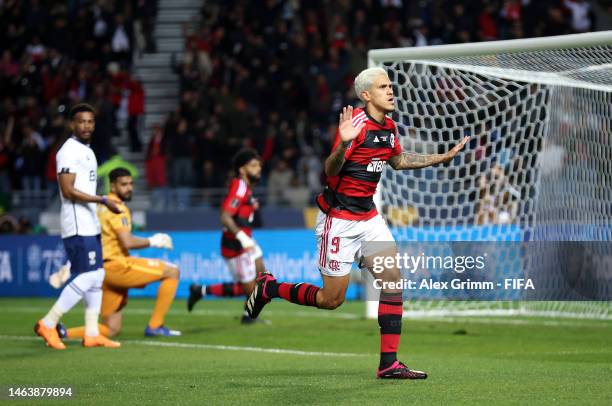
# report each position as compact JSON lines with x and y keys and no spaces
{"x":589,"y":39}
{"x":428,"y":54}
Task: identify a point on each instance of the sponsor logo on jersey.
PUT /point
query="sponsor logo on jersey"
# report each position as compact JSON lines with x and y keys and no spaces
{"x":376,"y":139}
{"x":376,"y":165}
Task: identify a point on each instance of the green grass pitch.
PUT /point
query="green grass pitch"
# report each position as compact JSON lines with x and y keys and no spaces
{"x":219,"y":361}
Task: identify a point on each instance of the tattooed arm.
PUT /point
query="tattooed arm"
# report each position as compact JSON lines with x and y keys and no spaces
{"x":334,"y":162}
{"x":409,"y":160}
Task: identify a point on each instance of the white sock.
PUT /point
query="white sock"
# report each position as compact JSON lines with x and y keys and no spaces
{"x":70,"y":296}
{"x":203,"y":290}
{"x":93,"y":302}
{"x":53,"y":317}
{"x":91,"y":322}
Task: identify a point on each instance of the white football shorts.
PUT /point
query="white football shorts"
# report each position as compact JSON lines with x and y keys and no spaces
{"x":242,"y":267}
{"x":339,"y":241}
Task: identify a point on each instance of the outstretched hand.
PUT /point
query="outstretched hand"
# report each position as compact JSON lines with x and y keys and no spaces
{"x":347,"y":130}
{"x":161,"y":240}
{"x":455,"y":150}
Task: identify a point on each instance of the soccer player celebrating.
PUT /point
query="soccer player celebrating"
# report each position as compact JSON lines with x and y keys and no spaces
{"x":242,"y":254}
{"x":123,"y":271}
{"x":365,"y":141}
{"x":77,"y":167}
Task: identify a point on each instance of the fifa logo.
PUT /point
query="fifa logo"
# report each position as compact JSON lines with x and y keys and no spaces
{"x":376,"y":166}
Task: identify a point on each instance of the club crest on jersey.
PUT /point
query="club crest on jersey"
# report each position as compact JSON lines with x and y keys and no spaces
{"x":333,"y":265}
{"x":376,"y":165}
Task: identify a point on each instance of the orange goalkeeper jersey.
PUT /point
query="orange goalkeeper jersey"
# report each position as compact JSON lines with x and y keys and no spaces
{"x":111,"y":223}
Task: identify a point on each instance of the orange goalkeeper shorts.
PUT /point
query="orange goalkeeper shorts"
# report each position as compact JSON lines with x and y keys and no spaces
{"x":123,"y":274}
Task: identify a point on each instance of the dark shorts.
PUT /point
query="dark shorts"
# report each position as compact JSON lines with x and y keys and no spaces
{"x":84,"y":253}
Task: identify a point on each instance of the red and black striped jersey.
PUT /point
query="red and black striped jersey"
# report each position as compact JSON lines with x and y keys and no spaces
{"x":240,"y":204}
{"x":349,"y":195}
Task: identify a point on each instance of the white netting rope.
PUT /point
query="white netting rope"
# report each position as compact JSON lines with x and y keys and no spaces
{"x":492,"y":180}
{"x":583,"y":67}
{"x":575,"y":169}
{"x":539,"y":156}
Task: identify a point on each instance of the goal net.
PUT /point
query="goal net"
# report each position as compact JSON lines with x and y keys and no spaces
{"x":537,"y":167}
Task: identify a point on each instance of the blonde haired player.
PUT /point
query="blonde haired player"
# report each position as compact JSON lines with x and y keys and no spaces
{"x":124,"y":271}
{"x":366,"y":140}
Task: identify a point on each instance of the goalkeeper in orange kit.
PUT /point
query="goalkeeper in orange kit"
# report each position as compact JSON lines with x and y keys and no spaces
{"x":124,"y":272}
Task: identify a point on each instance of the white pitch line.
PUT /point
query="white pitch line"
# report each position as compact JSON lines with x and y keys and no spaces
{"x":249,"y":349}
{"x":19,"y":338}
{"x":128,"y":310}
{"x":324,"y":314}
{"x":518,"y":322}
{"x":562,"y":352}
{"x":212,"y":347}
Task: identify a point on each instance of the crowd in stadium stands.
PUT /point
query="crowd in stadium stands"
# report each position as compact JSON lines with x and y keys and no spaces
{"x":54,"y":54}
{"x":272,"y":74}
{"x":269,"y":74}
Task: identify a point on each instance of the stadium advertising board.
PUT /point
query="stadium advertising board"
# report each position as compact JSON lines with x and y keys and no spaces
{"x":27,"y":261}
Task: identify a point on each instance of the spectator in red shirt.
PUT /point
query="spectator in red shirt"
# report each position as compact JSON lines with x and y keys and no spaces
{"x":486,"y":23}
{"x":136,"y":109}
{"x":155,"y":163}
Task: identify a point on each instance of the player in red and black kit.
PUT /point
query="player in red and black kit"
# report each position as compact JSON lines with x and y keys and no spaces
{"x":366,"y":141}
{"x":242,"y":254}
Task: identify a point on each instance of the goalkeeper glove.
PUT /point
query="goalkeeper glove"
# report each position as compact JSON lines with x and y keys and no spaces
{"x":59,"y":278}
{"x":246,"y":241}
{"x":160,"y":240}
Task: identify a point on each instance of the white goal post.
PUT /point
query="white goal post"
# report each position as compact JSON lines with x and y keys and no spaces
{"x":539,"y":115}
